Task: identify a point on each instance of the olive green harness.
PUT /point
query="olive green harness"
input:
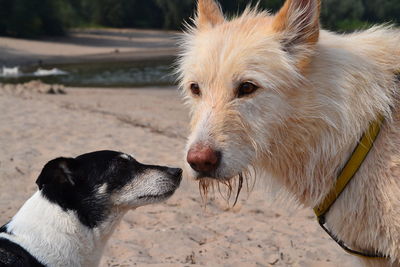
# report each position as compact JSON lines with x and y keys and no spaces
{"x":349,"y":170}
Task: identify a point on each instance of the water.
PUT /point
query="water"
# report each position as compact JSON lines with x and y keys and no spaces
{"x":115,"y":74}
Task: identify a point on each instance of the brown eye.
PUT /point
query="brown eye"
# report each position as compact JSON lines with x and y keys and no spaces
{"x":195,"y":88}
{"x":246,"y":88}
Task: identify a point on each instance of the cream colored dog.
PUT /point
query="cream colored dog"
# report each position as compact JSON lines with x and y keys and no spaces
{"x":278,"y":94}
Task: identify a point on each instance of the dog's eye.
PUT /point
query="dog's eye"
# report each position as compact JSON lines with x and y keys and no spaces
{"x":195,"y":89}
{"x":246,"y":88}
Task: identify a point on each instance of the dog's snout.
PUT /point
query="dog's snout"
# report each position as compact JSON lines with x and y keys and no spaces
{"x":203,"y":158}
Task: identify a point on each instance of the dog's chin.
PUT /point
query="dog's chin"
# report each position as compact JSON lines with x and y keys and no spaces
{"x":200,"y":177}
{"x":215,"y":176}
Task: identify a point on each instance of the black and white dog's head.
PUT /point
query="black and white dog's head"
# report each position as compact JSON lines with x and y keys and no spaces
{"x":96,"y":184}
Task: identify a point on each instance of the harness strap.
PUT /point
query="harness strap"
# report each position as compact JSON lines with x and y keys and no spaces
{"x":349,"y":170}
{"x":377,"y":255}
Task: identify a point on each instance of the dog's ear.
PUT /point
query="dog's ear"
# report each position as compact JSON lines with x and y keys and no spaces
{"x":209,"y":14}
{"x":60,"y":171}
{"x":298,"y":21}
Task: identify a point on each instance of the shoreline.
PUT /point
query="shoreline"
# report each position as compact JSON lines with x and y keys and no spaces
{"x":139,"y":56}
{"x":89,"y":46}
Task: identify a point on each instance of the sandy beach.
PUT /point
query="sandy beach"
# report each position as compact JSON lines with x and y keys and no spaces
{"x":152,"y":125}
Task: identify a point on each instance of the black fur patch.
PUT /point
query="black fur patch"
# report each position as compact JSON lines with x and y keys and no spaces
{"x":13,"y":255}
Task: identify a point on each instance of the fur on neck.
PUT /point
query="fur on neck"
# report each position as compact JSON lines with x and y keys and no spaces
{"x":56,"y":237}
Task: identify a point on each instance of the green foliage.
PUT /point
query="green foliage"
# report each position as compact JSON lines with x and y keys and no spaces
{"x":377,"y":11}
{"x":338,"y":14}
{"x":174,"y":12}
{"x":31,"y":18}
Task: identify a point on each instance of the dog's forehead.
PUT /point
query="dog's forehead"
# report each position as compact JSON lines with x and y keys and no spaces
{"x":111,"y":167}
{"x":99,"y":161}
{"x":244,"y":31}
{"x":230,"y":50}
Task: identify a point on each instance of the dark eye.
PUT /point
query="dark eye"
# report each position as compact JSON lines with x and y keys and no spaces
{"x":246,"y":88}
{"x":195,"y":89}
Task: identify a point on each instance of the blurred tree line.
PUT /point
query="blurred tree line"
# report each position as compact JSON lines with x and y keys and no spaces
{"x":32,"y":18}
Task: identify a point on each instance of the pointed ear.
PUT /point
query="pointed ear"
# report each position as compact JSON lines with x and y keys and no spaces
{"x":59,"y":171}
{"x":298,"y":21}
{"x":209,"y":14}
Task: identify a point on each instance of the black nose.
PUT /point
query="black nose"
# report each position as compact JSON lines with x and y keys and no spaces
{"x":175,"y":172}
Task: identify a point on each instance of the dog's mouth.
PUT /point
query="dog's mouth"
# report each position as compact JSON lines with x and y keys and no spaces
{"x":207,"y":183}
{"x":158,"y":197}
{"x":201,"y":176}
{"x":215,"y":175}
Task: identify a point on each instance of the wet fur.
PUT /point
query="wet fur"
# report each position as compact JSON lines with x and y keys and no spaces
{"x":318,"y":93}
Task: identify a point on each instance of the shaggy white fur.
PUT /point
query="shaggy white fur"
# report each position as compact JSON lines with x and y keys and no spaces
{"x":317,"y":93}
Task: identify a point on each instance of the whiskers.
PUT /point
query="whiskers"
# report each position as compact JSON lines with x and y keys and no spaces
{"x":240,"y":185}
{"x":226,"y":187}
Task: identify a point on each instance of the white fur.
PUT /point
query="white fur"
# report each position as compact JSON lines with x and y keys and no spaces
{"x":56,"y":237}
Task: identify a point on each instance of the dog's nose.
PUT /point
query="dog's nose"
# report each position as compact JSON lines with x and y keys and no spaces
{"x":203,"y":158}
{"x":176,"y":175}
{"x":175,"y":172}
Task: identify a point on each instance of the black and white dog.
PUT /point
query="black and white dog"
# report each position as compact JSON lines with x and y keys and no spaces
{"x":79,"y":203}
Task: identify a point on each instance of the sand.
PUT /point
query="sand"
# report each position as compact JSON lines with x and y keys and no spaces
{"x":151,"y":124}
